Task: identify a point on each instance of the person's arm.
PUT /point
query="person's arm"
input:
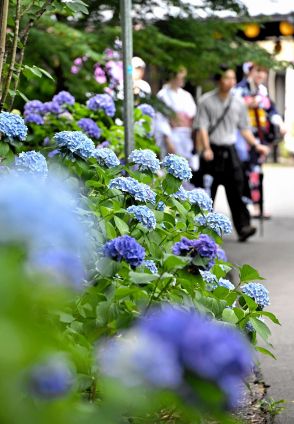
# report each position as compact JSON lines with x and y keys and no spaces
{"x":204,"y":139}
{"x":253,"y":142}
{"x":202,"y":123}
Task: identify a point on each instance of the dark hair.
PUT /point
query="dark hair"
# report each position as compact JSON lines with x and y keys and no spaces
{"x":173,"y":73}
{"x":222,"y":69}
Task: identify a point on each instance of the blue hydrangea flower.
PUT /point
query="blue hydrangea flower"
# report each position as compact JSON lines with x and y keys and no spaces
{"x":181,"y":194}
{"x":34,"y":118}
{"x":61,"y":265}
{"x":13,"y":126}
{"x":106,"y":157}
{"x":200,"y":220}
{"x":52,"y":107}
{"x":90,"y":127}
{"x":141,"y":192}
{"x":51,"y":379}
{"x":102,"y":102}
{"x":127,"y":248}
{"x":177,"y":166}
{"x":76,"y":142}
{"x":137,"y":359}
{"x":221,"y":254}
{"x":34,"y":107}
{"x":33,"y":163}
{"x":149,"y":264}
{"x":219,"y":222}
{"x":146,"y":159}
{"x":208,"y":277}
{"x":258,"y":292}
{"x":161,"y":206}
{"x":206,"y":348}
{"x":144,"y":215}
{"x":203,"y":246}
{"x":147,"y":110}
{"x":200,"y":198}
{"x":64,"y":97}
{"x":40,"y":215}
{"x":223,"y":282}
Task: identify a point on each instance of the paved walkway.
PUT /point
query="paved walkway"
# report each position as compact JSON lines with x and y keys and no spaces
{"x":273,"y":256}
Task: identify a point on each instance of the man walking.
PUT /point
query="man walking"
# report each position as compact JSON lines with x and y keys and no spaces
{"x":220,"y":115}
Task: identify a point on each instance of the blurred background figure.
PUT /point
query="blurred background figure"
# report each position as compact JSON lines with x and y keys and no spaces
{"x":266,"y":124}
{"x":220,"y":115}
{"x":174,"y":133}
{"x":141,"y":87}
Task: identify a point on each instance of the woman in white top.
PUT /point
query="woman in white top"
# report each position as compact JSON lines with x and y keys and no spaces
{"x":175,"y":135}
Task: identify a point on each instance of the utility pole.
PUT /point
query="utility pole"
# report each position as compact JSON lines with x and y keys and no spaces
{"x":127,"y":44}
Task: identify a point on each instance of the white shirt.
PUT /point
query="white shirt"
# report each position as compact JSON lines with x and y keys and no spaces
{"x":179,"y":100}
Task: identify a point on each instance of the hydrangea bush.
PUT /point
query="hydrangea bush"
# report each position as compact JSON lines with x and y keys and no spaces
{"x":146,"y":257}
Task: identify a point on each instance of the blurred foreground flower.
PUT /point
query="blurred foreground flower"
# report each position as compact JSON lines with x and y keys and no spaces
{"x":51,"y":379}
{"x":168,"y":347}
{"x":40,"y":216}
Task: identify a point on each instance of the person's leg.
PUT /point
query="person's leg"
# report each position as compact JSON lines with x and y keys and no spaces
{"x":233,"y":182}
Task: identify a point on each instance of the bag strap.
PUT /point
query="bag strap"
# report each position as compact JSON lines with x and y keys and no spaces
{"x":220,"y":118}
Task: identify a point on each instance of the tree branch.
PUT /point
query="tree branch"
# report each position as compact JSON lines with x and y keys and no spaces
{"x":3,"y":28}
{"x":13,"y":53}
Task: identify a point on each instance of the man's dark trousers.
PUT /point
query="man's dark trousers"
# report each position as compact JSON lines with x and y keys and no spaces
{"x":226,"y":170}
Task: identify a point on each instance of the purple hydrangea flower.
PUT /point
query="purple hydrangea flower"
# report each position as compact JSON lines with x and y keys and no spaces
{"x":34,"y":107}
{"x":212,"y":351}
{"x":33,"y":163}
{"x":221,"y":254}
{"x":52,"y":107}
{"x":204,"y":246}
{"x":127,"y":248}
{"x":90,"y":127}
{"x":34,"y":118}
{"x":52,"y":379}
{"x":64,"y":98}
{"x":76,"y":142}
{"x":106,"y":157}
{"x":145,"y":159}
{"x":102,"y":102}
{"x":177,"y":166}
{"x":146,"y":110}
{"x":99,"y":74}
{"x":151,"y":266}
{"x":258,"y":292}
{"x":13,"y":126}
{"x":144,"y":215}
{"x":141,"y":192}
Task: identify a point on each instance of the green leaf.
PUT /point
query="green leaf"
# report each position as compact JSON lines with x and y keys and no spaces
{"x":182,"y":211}
{"x":261,"y":328}
{"x":269,"y":315}
{"x":265,"y":351}
{"x":4,"y":149}
{"x":171,"y":184}
{"x":122,"y":227}
{"x":229,"y":315}
{"x":110,"y":230}
{"x":173,"y":262}
{"x":142,"y":277}
{"x":248,"y":273}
